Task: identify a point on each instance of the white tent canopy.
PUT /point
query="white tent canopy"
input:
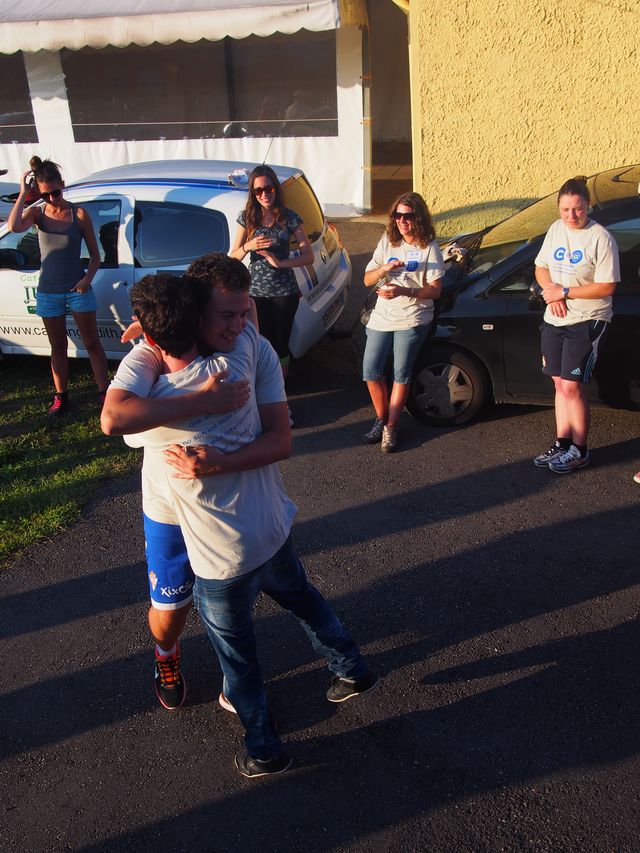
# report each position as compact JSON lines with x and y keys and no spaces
{"x":32,"y":25}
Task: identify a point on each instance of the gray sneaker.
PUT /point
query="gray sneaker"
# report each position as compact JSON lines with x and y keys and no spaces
{"x":375,"y":433}
{"x":543,"y":459}
{"x":389,"y":439}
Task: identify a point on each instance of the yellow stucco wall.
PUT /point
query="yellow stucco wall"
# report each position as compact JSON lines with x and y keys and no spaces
{"x":511,"y":98}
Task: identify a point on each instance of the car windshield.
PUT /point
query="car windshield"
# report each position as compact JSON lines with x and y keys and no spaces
{"x":500,"y":241}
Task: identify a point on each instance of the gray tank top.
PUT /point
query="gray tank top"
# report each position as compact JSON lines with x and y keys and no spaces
{"x":61,"y":267}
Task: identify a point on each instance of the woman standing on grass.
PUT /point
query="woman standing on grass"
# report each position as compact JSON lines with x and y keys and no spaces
{"x":577,"y":268}
{"x":265,"y":228}
{"x":407,"y":267}
{"x":63,"y":283}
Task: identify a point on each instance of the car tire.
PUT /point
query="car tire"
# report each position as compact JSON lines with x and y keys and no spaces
{"x":449,"y":387}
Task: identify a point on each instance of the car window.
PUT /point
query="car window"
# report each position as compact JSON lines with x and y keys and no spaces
{"x":627,"y":236}
{"x":516,"y":282}
{"x":169,"y":234}
{"x":20,"y":251}
{"x":105,"y":215}
{"x":299,"y":196}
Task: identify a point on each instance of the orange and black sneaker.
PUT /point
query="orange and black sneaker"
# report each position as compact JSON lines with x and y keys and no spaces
{"x":171,"y":688}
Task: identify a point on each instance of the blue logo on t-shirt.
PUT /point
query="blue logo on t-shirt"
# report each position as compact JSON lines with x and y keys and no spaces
{"x":559,"y":253}
{"x":411,"y":266}
{"x":576,"y":256}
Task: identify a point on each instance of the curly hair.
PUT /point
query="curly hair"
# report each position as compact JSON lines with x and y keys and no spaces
{"x":423,"y":228}
{"x":45,"y":171}
{"x":221,"y":271}
{"x":253,"y":209}
{"x":169,"y":309}
{"x":576,"y":186}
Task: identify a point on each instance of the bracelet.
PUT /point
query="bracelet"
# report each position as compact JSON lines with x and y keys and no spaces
{"x":243,"y":249}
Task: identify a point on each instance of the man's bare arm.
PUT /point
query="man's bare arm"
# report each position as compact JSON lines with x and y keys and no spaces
{"x":125,"y":413}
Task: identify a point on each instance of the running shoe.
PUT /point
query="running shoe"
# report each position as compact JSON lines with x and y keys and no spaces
{"x":569,"y":461}
{"x":374,"y":435}
{"x":171,"y":688}
{"x":543,"y":459}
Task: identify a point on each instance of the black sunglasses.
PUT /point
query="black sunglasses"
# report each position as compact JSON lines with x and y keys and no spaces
{"x":52,"y":194}
{"x":264,"y":190}
{"x":408,"y":216}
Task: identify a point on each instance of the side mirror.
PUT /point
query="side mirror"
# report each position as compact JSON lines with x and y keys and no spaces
{"x":535,"y":296}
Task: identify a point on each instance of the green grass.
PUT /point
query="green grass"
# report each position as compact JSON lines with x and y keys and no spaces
{"x":49,"y":468}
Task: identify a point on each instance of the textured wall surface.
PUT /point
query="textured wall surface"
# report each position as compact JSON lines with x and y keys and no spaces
{"x":511,"y":98}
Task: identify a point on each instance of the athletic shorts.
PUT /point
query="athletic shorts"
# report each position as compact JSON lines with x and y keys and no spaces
{"x":571,"y":352}
{"x":168,"y":567}
{"x":59,"y":304}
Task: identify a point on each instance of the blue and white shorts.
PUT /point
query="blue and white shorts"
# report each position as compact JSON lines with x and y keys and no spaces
{"x":168,"y":567}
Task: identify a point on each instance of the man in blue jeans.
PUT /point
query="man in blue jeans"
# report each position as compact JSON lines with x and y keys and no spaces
{"x":221,"y":497}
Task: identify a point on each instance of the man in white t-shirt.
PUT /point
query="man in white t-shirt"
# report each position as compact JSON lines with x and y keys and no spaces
{"x":226,"y":498}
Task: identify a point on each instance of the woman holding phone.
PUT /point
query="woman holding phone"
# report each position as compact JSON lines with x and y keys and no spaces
{"x":265,"y":228}
{"x":407,"y":268}
{"x":63,"y":284}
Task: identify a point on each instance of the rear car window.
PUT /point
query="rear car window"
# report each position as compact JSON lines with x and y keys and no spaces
{"x":169,"y":234}
{"x":299,"y":196}
{"x":105,"y":216}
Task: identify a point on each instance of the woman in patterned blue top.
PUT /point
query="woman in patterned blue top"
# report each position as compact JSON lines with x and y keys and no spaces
{"x":265,"y":228}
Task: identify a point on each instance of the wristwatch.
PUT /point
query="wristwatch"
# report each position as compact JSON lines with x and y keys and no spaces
{"x":565,"y":292}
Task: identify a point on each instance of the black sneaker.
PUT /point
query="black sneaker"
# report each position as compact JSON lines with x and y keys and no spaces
{"x":342,"y":689}
{"x":254,"y":767}
{"x":550,"y":455}
{"x":171,"y":688}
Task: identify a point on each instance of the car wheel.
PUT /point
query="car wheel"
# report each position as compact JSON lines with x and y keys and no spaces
{"x":449,"y":387}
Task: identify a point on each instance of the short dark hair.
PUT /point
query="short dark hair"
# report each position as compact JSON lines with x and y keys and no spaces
{"x":169,"y":308}
{"x":576,"y":186}
{"x":220,"y":271}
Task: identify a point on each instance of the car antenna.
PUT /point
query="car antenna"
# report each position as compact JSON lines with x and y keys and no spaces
{"x":273,"y":136}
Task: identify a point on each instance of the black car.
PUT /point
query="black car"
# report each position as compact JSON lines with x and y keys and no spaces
{"x":486,"y":340}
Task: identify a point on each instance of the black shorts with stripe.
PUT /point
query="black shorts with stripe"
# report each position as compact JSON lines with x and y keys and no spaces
{"x":571,"y":352}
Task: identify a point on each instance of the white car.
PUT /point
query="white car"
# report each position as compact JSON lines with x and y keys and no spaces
{"x":158,"y":217}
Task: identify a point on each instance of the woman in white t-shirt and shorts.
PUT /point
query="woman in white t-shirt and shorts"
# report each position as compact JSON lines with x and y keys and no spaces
{"x":577,"y":268}
{"x":407,"y":269}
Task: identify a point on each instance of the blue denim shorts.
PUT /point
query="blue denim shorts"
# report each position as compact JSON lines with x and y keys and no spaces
{"x":406,"y":345}
{"x":59,"y":304}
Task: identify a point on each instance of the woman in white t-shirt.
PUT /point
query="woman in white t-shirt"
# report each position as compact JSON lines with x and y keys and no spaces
{"x":407,"y":268}
{"x":577,"y":268}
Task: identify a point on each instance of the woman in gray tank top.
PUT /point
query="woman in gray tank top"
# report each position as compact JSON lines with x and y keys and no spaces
{"x":63,"y":283}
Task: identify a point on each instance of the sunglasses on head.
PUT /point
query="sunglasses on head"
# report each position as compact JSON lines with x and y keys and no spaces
{"x":410,"y":216}
{"x":52,"y":194}
{"x":268,"y":190}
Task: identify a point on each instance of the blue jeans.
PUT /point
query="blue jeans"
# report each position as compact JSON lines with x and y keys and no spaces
{"x":226,"y":609}
{"x":406,"y":345}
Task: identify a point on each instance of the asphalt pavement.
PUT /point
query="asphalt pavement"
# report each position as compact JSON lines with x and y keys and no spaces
{"x":497,"y":601}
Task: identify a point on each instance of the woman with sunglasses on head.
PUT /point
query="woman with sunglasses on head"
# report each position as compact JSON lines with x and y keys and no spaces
{"x":63,"y":284}
{"x":265,"y":228}
{"x":407,"y":269}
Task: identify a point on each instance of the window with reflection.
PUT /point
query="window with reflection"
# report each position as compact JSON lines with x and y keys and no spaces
{"x":17,"y":123}
{"x":280,"y":85}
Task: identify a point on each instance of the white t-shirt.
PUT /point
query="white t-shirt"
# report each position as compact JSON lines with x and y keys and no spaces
{"x":231,"y":523}
{"x":421,"y":266}
{"x":579,"y":256}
